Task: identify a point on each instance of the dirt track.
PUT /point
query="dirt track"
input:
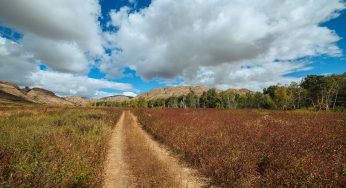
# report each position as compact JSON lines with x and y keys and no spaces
{"x":135,"y":160}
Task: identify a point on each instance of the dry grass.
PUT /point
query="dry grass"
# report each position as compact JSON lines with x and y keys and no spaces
{"x":53,"y":147}
{"x":144,"y":165}
{"x":256,"y":148}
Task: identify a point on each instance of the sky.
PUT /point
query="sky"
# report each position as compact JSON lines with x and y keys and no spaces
{"x":98,"y":48}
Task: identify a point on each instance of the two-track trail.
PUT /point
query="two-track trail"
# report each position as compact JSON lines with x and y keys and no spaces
{"x":135,"y":160}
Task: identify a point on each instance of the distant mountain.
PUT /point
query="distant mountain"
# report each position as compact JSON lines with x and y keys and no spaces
{"x":81,"y":101}
{"x":238,"y":91}
{"x":11,"y":92}
{"x":163,"y":93}
{"x":170,"y":91}
{"x":116,"y":98}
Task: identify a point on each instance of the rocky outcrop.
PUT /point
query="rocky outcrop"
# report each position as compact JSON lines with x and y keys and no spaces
{"x":116,"y":98}
{"x":238,"y":91}
{"x":11,"y":92}
{"x":79,"y":101}
{"x":42,"y":96}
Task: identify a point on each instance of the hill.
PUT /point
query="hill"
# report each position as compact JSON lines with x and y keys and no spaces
{"x":11,"y":92}
{"x":82,"y":101}
{"x":163,"y":93}
{"x":116,"y":98}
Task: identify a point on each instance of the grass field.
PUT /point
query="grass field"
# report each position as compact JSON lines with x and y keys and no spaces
{"x":248,"y":148}
{"x":66,"y":147}
{"x":53,"y":147}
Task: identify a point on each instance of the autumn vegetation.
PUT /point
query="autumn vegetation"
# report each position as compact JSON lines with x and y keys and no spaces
{"x":53,"y":147}
{"x":285,"y":136}
{"x":255,"y":148}
{"x":315,"y":92}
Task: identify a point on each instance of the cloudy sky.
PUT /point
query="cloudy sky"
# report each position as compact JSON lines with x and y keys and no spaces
{"x":96,"y":48}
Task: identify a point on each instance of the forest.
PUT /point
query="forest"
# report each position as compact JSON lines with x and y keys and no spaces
{"x":316,"y":92}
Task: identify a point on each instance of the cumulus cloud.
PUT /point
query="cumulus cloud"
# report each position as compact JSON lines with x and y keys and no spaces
{"x":64,"y":35}
{"x":20,"y":67}
{"x":210,"y":42}
{"x":118,"y":16}
{"x":15,"y":65}
{"x":60,"y":33}
{"x":68,"y":84}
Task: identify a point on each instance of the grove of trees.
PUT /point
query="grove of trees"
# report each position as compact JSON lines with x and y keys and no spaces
{"x":314,"y":92}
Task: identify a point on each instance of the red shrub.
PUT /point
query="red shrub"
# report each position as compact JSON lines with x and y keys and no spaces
{"x":255,"y":148}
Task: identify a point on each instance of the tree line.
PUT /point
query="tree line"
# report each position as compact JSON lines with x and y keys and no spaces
{"x":313,"y":92}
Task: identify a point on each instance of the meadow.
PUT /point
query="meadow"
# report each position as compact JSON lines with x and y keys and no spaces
{"x":255,"y":148}
{"x":54,"y":147}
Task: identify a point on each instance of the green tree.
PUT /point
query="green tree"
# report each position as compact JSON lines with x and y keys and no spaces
{"x":191,"y":100}
{"x":172,"y":102}
{"x":210,"y":99}
{"x":228,"y":99}
{"x":142,"y":103}
{"x":321,"y":90}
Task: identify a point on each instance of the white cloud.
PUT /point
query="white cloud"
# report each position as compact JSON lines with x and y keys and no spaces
{"x":15,"y":64}
{"x":60,"y":33}
{"x":129,"y":93}
{"x":65,"y":84}
{"x":118,"y":16}
{"x":208,"y":42}
{"x":20,"y":67}
{"x":63,"y":56}
{"x":102,"y":94}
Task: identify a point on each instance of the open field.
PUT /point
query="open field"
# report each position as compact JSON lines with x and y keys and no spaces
{"x":47,"y":147}
{"x":252,"y":148}
{"x":93,"y":147}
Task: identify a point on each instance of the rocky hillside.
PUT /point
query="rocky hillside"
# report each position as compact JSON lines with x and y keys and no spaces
{"x":238,"y":91}
{"x":11,"y":92}
{"x":182,"y":90}
{"x":172,"y":91}
{"x":81,"y":101}
{"x":116,"y":98}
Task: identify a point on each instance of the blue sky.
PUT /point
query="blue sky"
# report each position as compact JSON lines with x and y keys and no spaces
{"x":325,"y":64}
{"x":96,"y":48}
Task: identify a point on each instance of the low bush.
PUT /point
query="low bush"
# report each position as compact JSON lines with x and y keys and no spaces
{"x":254,"y":148}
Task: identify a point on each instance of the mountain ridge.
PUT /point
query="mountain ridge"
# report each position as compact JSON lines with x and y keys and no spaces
{"x":176,"y":91}
{"x":11,"y":92}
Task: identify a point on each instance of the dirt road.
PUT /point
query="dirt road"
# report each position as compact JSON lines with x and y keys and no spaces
{"x":135,"y":160}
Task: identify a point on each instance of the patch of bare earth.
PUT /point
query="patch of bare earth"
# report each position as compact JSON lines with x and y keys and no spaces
{"x":135,"y":160}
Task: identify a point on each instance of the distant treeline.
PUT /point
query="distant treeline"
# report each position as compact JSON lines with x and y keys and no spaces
{"x":314,"y":92}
